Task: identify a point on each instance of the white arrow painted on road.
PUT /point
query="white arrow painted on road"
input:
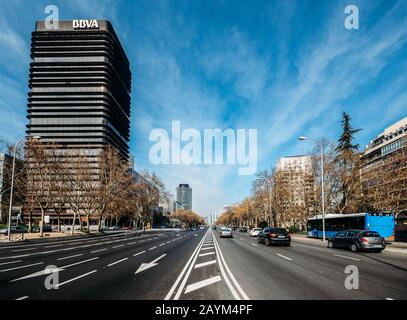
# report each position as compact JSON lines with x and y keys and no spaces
{"x":145,"y":266}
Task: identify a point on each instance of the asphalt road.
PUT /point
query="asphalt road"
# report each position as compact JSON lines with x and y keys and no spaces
{"x":190,"y":265}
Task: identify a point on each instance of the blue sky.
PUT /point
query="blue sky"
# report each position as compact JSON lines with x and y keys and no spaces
{"x":285,"y":68}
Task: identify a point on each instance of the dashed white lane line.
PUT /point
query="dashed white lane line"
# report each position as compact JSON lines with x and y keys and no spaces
{"x":69,"y":257}
{"x":253,"y":244}
{"x":203,"y":283}
{"x":79,"y":262}
{"x":208,"y":248}
{"x":116,"y":262}
{"x":206,"y":254}
{"x":22,"y":267}
{"x":136,"y":254}
{"x":21,"y":250}
{"x":346,"y":257}
{"x":54,"y":246}
{"x":152,"y":248}
{"x":10,"y":262}
{"x":162,"y":244}
{"x":203,"y":264}
{"x":132,"y":243}
{"x":22,"y":298}
{"x":94,"y":251}
{"x":280,"y":255}
{"x":120,"y":245}
{"x":389,"y":299}
{"x":76,"y":278}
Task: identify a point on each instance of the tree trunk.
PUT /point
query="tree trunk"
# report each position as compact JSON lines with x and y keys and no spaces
{"x":30,"y":221}
{"x":42,"y":222}
{"x":73,"y":223}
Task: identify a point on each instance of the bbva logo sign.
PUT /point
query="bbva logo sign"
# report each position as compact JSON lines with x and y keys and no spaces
{"x":85,"y":24}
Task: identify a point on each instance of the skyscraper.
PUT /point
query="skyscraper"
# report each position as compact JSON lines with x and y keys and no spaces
{"x":80,"y":84}
{"x":184,"y":196}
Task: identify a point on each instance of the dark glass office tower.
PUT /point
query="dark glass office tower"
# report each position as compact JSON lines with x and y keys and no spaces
{"x":80,"y":84}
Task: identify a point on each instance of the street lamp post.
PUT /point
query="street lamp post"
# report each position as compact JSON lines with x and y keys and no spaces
{"x":302,"y":138}
{"x":12,"y":184}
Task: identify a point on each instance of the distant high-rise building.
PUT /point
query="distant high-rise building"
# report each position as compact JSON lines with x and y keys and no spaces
{"x":294,"y":186}
{"x":184,"y":196}
{"x":214,"y":217}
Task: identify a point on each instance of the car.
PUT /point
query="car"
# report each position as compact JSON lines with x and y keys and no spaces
{"x":13,"y":229}
{"x":358,"y":240}
{"x":270,"y":236}
{"x":243,"y":229}
{"x":226,"y":233}
{"x":255,"y":232}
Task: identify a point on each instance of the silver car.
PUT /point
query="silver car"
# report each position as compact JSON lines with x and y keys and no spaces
{"x":226,"y":233}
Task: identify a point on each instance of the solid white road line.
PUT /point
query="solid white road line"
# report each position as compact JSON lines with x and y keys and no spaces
{"x":104,"y":249}
{"x":17,"y":261}
{"x":203,"y":264}
{"x":22,"y":298}
{"x":21,"y":267}
{"x":280,"y":255}
{"x":346,"y":257}
{"x":174,"y":286}
{"x":75,"y":255}
{"x":136,"y":254}
{"x":76,"y":278}
{"x":116,"y":262}
{"x":222,"y":261}
{"x":201,"y":284}
{"x":13,"y":257}
{"x":206,"y":254}
{"x":153,"y":248}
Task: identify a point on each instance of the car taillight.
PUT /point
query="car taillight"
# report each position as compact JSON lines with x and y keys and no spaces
{"x":363,"y":240}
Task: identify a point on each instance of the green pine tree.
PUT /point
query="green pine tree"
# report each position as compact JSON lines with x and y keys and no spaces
{"x":345,"y":143}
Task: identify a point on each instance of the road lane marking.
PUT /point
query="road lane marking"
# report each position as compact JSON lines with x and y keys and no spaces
{"x":346,"y":257}
{"x":161,"y":244}
{"x":44,"y":252}
{"x":131,"y":243}
{"x":280,"y":255}
{"x":10,"y":262}
{"x":99,"y":250}
{"x":222,"y":263}
{"x":22,"y":298}
{"x":203,"y":264}
{"x":153,"y":248}
{"x":13,"y":257}
{"x":120,"y":245}
{"x":20,"y":250}
{"x":136,"y":254}
{"x":208,"y":248}
{"x":76,"y":278}
{"x":54,"y":246}
{"x":79,"y":262}
{"x":116,"y":262}
{"x":184,"y":270}
{"x":75,"y":255}
{"x":206,"y":254}
{"x":21,"y":267}
{"x":389,"y":299}
{"x":203,"y":283}
{"x":253,"y":244}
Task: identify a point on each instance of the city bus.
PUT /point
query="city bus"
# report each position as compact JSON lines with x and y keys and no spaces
{"x":380,"y":222}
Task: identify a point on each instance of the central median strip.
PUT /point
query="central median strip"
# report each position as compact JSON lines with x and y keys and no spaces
{"x":203,"y":283}
{"x":204,"y":264}
{"x":206,"y":254}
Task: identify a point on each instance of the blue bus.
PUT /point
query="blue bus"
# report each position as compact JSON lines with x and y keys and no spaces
{"x":380,"y":222}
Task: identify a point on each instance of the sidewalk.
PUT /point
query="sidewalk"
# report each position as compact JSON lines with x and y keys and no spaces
{"x":393,"y":247}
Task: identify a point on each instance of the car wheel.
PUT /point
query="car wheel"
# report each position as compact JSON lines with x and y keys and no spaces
{"x":354,"y":247}
{"x":330,"y":244}
{"x":267,"y":242}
